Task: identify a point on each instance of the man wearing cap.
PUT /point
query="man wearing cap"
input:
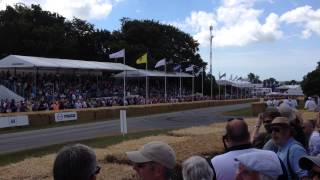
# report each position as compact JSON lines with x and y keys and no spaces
{"x":294,"y":122}
{"x":237,"y":142}
{"x":289,"y":150}
{"x":258,"y":165}
{"x":311,"y":164}
{"x":153,"y":161}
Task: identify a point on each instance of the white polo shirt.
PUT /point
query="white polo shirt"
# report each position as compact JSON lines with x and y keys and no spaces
{"x":225,"y":166}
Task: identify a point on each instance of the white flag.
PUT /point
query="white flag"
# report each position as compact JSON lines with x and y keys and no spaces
{"x":221,"y":76}
{"x":160,"y":63}
{"x":190,"y":68}
{"x":200,"y":71}
{"x":119,"y":54}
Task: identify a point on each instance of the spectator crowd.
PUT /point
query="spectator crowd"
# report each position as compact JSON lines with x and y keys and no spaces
{"x":76,"y":91}
{"x":287,"y":148}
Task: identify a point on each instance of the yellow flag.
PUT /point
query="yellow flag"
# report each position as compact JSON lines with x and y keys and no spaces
{"x":142,"y":59}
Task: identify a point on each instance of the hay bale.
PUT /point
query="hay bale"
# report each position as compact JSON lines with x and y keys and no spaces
{"x":85,"y":115}
{"x":116,"y":172}
{"x":134,"y":111}
{"x":38,"y":119}
{"x":32,"y":169}
{"x":193,"y":131}
{"x":100,"y":114}
{"x":117,"y":152}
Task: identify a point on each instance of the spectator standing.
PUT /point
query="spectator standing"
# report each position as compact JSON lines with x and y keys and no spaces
{"x":313,"y":137}
{"x":155,"y":160}
{"x":310,"y":104}
{"x":196,"y":168}
{"x":311,"y":164}
{"x":259,"y":165}
{"x":237,"y":142}
{"x":77,"y":162}
{"x":289,"y":150}
{"x":259,"y":139}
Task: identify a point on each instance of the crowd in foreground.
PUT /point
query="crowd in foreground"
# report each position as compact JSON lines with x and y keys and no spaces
{"x":289,"y":148}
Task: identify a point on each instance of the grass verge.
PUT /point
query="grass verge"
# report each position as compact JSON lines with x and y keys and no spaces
{"x":245,"y":112}
{"x":100,"y":142}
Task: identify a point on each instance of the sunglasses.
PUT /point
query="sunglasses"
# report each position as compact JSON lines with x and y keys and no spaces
{"x":231,"y":119}
{"x":97,"y":170}
{"x":275,"y":129}
{"x":141,"y":165}
{"x":267,"y":121}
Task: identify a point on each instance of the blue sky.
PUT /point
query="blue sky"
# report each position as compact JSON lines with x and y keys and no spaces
{"x":271,"y":38}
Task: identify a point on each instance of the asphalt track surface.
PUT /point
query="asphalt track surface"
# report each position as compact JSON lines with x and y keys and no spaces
{"x":14,"y":142}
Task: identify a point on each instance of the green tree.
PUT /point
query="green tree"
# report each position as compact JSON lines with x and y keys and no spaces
{"x":254,"y":78}
{"x":159,"y":40}
{"x":271,"y":82}
{"x":311,"y":82}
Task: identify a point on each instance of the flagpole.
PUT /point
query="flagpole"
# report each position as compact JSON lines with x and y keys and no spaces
{"x":147,"y":81}
{"x":180,"y":83}
{"x":192,"y":83}
{"x":219,"y":87}
{"x":211,"y":28}
{"x":238,"y":91}
{"x":202,"y":80}
{"x":231,"y":91}
{"x":225,"y":88}
{"x":124,"y":80}
{"x":165,"y":81}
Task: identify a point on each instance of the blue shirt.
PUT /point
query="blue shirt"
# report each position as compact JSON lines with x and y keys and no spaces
{"x":314,"y":143}
{"x":295,"y":153}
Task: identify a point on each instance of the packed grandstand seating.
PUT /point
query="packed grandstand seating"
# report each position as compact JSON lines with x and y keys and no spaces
{"x":81,"y":91}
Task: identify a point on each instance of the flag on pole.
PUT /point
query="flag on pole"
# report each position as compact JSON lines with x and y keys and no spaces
{"x":142,"y":59}
{"x":160,"y":63}
{"x":230,"y":78}
{"x":235,"y":78}
{"x":239,"y":79}
{"x":223,"y":75}
{"x":177,"y":68}
{"x":119,"y":54}
{"x":200,"y":71}
{"x":190,"y":68}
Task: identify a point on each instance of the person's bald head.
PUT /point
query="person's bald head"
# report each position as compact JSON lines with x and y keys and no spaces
{"x":237,"y":131}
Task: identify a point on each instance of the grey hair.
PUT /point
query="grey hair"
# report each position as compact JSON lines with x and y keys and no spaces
{"x":77,"y":162}
{"x":196,"y":168}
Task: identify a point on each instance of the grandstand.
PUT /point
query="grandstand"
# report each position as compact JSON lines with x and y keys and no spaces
{"x":37,"y":83}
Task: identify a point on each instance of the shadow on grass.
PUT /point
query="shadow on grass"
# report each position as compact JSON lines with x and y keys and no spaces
{"x":245,"y":112}
{"x":100,"y":142}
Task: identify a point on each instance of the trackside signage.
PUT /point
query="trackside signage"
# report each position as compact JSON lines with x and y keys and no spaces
{"x":13,"y":121}
{"x":65,"y":116}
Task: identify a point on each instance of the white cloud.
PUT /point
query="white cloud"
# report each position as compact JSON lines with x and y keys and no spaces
{"x":235,"y":22}
{"x":305,"y":17}
{"x":84,"y":9}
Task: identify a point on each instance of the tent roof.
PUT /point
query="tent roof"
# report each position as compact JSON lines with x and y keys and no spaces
{"x":239,"y":84}
{"x":15,"y":61}
{"x":149,"y":73}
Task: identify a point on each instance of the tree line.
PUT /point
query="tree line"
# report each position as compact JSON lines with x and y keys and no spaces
{"x":32,"y":31}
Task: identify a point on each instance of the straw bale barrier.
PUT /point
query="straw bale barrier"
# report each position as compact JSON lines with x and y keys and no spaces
{"x":108,"y":113}
{"x":204,"y":140}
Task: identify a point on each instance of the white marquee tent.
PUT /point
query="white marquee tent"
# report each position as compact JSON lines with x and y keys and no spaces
{"x":15,"y":61}
{"x":149,"y":73}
